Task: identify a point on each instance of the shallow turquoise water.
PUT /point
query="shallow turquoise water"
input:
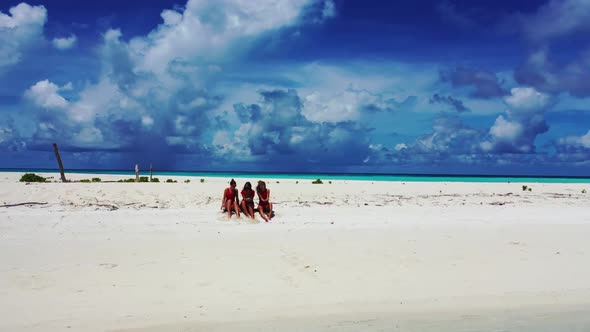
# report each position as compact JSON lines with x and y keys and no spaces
{"x":333,"y":176}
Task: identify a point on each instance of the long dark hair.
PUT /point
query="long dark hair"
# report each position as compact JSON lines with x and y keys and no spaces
{"x":247,"y":186}
{"x":258,"y":186}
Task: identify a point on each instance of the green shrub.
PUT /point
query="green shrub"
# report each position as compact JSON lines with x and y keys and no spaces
{"x":524,"y":188}
{"x":155,"y":180}
{"x":171,"y":181}
{"x":583,"y":191}
{"x":329,"y":182}
{"x":202,"y":180}
{"x":318,"y":181}
{"x":187,"y":181}
{"x":127,"y":180}
{"x":530,"y":189}
{"x":96,"y":180}
{"x":32,"y":177}
{"x":144,"y":179}
{"x":85,"y":180}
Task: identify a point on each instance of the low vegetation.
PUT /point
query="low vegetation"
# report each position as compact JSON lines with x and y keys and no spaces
{"x":85,"y":180}
{"x":187,"y":181}
{"x":144,"y":179}
{"x":96,"y":180}
{"x":171,"y":181}
{"x":202,"y":180}
{"x":32,"y":177}
{"x":155,"y":180}
{"x":318,"y":181}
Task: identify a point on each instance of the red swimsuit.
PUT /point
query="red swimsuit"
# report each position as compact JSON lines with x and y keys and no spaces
{"x":263,"y":195}
{"x":230,"y":195}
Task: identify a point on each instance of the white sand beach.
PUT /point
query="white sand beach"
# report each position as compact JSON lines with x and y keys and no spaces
{"x":345,"y":256}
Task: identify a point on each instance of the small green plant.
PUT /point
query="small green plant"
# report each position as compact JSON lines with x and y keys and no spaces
{"x":524,"y":188}
{"x":32,"y":177}
{"x":329,"y":182}
{"x":127,"y":180}
{"x":187,"y":181}
{"x":155,"y":180}
{"x":583,"y":191}
{"x":202,"y":180}
{"x":296,"y":182}
{"x":171,"y":181}
{"x":85,"y":180}
{"x":144,"y":179}
{"x":96,"y":180}
{"x":530,"y":189}
{"x":318,"y":181}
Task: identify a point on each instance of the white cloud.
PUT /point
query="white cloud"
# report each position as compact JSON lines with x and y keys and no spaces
{"x":45,"y":94}
{"x":19,"y":30}
{"x":506,"y":130}
{"x":527,"y":99}
{"x":557,"y":18}
{"x":207,"y":29}
{"x":577,"y":141}
{"x":65,"y":43}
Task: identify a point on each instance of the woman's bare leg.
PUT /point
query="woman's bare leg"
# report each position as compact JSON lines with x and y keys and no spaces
{"x":261,"y":212}
{"x":237,"y":209}
{"x":251,"y":210}
{"x":228,"y":208}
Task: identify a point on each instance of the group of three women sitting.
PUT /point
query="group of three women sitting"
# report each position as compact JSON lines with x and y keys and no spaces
{"x":231,"y":201}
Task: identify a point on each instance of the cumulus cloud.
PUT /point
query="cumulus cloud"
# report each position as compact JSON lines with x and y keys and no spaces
{"x":456,"y":104}
{"x":276,"y":128}
{"x":20,"y":29}
{"x":573,"y":148}
{"x":65,"y":43}
{"x":483,"y":84}
{"x":524,"y":121}
{"x":157,"y":94}
{"x":45,"y":94}
{"x":210,"y":30}
{"x":350,"y":105}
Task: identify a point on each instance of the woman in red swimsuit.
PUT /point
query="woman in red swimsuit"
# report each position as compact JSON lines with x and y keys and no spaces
{"x":230,"y":199}
{"x":248,"y":200}
{"x":264,"y":204}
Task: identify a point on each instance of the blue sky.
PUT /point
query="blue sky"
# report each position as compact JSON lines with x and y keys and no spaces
{"x":464,"y":87}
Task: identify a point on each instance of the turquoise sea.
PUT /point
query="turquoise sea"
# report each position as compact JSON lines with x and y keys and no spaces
{"x":330,"y":176}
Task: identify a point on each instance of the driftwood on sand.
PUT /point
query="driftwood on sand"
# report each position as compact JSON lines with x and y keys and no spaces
{"x":21,"y":204}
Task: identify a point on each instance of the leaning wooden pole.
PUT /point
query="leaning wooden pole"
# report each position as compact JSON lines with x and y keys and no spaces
{"x":61,"y":165}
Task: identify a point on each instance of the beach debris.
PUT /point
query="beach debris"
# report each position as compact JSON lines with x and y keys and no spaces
{"x":32,"y":177}
{"x":21,"y":204}
{"x":60,"y":164}
{"x":500,"y":203}
{"x":318,"y":181}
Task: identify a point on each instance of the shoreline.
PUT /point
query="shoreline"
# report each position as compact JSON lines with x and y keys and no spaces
{"x":324,"y":176}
